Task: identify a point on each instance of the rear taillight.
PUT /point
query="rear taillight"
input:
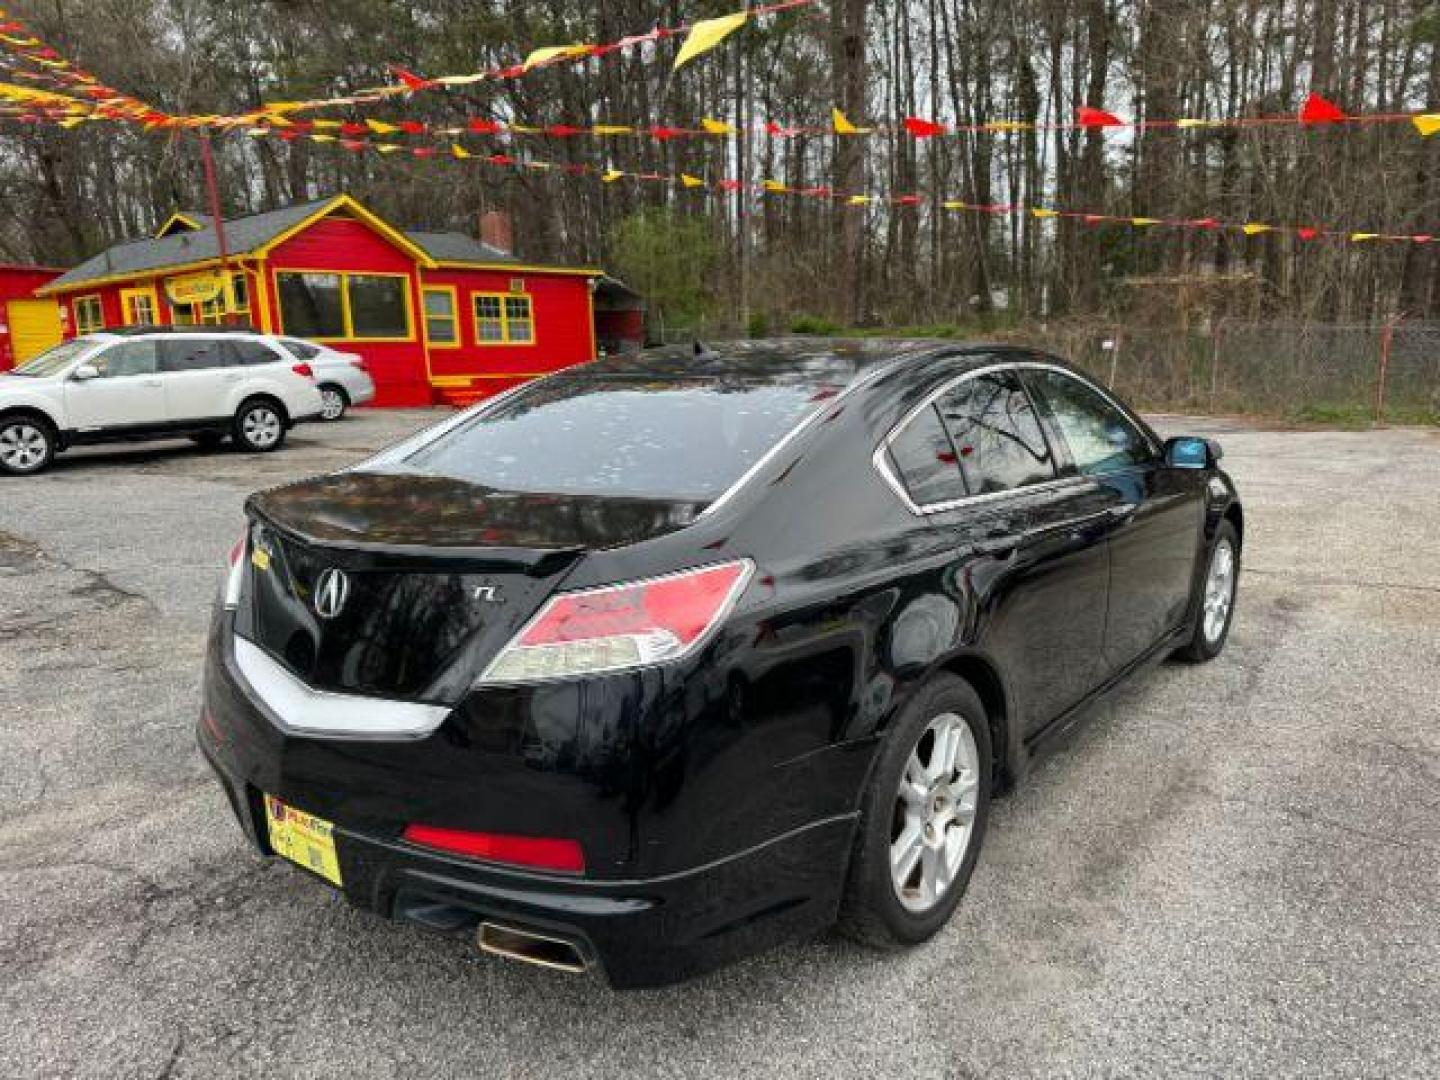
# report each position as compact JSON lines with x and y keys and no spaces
{"x":305,"y":371}
{"x":235,"y":571}
{"x":621,"y":626}
{"x":537,"y":851}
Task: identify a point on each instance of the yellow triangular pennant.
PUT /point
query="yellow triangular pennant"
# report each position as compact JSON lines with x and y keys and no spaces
{"x":388,"y":147}
{"x":716,"y":127}
{"x":379,"y":127}
{"x":1144,"y":221}
{"x":842,"y":124}
{"x":1358,"y":237}
{"x":551,"y":53}
{"x":1427,"y":123}
{"x":611,"y":175}
{"x":858,"y":200}
{"x":708,"y":33}
{"x":456,"y":150}
{"x":691,"y":181}
{"x":325,"y":125}
{"x":612,"y":129}
{"x":1255,"y":228}
{"x":1041,"y":212}
{"x":774,"y":185}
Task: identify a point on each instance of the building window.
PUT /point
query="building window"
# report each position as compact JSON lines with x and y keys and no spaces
{"x":377,"y":306}
{"x":89,"y":315}
{"x":440,"y":325}
{"x":239,"y":294}
{"x":213,"y":312}
{"x":519,"y":324}
{"x":503,"y":319}
{"x":361,"y":306}
{"x":137,"y":307}
{"x":311,"y":304}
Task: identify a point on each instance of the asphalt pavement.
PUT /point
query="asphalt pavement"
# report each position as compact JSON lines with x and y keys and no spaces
{"x":1233,"y":869}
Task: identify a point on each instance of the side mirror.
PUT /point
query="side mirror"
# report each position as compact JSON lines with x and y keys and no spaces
{"x":85,"y":372}
{"x":1192,"y":452}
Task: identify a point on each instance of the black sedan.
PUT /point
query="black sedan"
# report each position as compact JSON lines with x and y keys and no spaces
{"x":662,"y":660}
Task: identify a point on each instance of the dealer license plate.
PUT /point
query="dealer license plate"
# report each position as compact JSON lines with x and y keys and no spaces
{"x":304,"y":839}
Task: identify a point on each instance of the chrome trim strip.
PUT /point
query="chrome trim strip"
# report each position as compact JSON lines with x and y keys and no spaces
{"x":305,"y":710}
{"x":880,"y":459}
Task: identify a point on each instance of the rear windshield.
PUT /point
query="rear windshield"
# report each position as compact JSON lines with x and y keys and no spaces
{"x":623,"y":436}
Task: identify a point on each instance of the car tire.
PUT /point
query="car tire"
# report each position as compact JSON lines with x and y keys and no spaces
{"x":1215,"y":609}
{"x":335,"y":402}
{"x":27,"y":444}
{"x":259,"y":426}
{"x":888,"y":907}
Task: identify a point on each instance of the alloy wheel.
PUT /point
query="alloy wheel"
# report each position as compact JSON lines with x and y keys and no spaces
{"x":23,"y":447}
{"x":332,"y":405}
{"x":934,"y":814}
{"x":1219,"y":590}
{"x":262,"y":427}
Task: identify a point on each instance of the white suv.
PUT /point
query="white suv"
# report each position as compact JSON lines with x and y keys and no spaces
{"x":150,"y":383}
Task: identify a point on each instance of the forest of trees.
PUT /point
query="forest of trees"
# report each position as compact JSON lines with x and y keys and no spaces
{"x":762,"y":260}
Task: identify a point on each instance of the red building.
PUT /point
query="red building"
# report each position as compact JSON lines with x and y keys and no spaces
{"x":27,"y":326}
{"x":437,"y":315}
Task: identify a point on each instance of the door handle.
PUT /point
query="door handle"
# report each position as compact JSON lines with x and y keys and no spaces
{"x":1123,"y":512}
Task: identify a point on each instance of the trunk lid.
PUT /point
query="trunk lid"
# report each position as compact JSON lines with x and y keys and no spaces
{"x":405,"y":585}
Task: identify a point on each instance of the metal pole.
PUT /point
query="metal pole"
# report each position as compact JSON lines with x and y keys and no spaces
{"x":1387,"y":339}
{"x":212,"y":189}
{"x":1215,"y":363}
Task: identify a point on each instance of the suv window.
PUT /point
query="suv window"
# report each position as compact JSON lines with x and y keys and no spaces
{"x":993,"y":425}
{"x":925,"y":460}
{"x":1101,"y":438}
{"x":126,"y":358}
{"x":253,"y":352}
{"x":194,"y":354}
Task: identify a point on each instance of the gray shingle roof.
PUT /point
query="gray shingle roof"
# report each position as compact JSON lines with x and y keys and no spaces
{"x":242,"y":235}
{"x":457,"y":247}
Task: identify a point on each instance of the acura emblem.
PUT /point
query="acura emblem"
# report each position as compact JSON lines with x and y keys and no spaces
{"x":332,"y":589}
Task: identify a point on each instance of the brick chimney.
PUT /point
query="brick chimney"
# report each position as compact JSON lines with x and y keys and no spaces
{"x":497,"y":230}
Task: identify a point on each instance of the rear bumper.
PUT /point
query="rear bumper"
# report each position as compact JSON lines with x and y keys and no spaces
{"x":636,"y":933}
{"x":639,"y":926}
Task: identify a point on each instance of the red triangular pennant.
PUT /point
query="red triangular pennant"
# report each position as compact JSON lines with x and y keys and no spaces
{"x":1307,"y":233}
{"x":484,"y":127}
{"x":1317,"y":110}
{"x":1087,"y":117}
{"x":410,"y":79}
{"x":922,"y":128}
{"x":412,"y":127}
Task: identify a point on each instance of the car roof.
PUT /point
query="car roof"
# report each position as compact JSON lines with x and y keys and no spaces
{"x":191,"y":331}
{"x":823,"y":361}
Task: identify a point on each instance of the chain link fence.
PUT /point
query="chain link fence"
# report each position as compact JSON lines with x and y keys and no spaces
{"x":1323,"y":372}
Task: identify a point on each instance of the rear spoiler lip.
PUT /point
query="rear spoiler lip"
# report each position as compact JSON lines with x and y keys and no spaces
{"x":541,"y":562}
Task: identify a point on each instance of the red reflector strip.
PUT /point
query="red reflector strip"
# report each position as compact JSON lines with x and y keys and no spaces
{"x":538,"y":851}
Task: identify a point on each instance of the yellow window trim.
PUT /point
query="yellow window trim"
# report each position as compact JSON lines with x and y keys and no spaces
{"x":81,"y":327}
{"x":505,"y":338}
{"x":345,"y":319}
{"x":146,"y":291}
{"x":454,"y":292}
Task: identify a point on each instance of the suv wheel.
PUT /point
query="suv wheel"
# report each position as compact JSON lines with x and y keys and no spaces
{"x":334,"y":402}
{"x":259,"y":426}
{"x":27,"y":445}
{"x":922,"y":819}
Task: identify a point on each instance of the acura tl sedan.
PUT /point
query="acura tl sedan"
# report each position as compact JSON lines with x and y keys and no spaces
{"x":660,"y":661}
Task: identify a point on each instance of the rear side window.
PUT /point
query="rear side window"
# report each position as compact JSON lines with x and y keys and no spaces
{"x":618,"y":436}
{"x":996,"y":434}
{"x":193,"y":354}
{"x":925,"y":460}
{"x":253,"y":352}
{"x":301,"y":350}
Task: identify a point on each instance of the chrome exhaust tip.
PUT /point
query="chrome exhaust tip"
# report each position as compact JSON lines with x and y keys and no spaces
{"x":530,"y":948}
